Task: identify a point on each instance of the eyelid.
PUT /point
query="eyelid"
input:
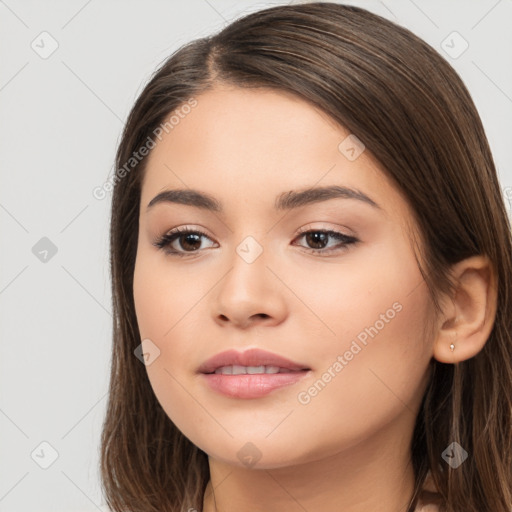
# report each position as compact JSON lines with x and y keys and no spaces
{"x":185,"y":228}
{"x":165,"y":241}
{"x":344,"y":230}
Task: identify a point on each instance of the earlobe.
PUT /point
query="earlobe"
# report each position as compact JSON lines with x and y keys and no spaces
{"x":468,"y":316}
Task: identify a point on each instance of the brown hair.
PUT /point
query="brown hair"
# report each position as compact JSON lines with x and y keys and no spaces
{"x":416,"y":117}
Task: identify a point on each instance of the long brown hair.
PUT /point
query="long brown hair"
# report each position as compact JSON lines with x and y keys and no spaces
{"x":416,"y":117}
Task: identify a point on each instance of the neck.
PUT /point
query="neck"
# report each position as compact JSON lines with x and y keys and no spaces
{"x":374,"y":474}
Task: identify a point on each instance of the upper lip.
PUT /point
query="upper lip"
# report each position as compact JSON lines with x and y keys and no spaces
{"x":251,"y":357}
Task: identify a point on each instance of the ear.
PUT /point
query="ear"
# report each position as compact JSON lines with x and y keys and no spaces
{"x":468,"y":316}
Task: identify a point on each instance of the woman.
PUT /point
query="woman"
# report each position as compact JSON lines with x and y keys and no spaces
{"x":311,"y":270}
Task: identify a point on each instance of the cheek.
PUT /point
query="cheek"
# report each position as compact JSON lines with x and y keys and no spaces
{"x":374,"y":360}
{"x":374,"y":373}
{"x":161,"y":306}
{"x":149,"y":294}
{"x":374,"y":294}
{"x":162,"y":297}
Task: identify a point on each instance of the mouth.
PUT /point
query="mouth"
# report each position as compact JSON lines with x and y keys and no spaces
{"x":252,"y":370}
{"x":250,"y":374}
{"x":251,"y":362}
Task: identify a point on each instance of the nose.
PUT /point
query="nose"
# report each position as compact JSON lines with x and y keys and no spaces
{"x":249,"y":294}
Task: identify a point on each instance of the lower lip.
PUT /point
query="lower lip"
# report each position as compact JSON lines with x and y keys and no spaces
{"x":252,"y":386}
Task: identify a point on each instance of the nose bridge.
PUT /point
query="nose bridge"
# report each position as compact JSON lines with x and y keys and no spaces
{"x":247,"y":278}
{"x":249,"y":289}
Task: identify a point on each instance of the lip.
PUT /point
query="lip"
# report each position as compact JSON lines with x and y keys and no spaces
{"x":251,"y":357}
{"x":250,"y":385}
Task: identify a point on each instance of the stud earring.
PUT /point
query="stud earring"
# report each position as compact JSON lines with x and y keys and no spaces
{"x":452,"y":345}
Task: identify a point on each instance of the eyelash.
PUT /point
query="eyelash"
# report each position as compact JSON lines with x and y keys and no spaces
{"x":166,"y":240}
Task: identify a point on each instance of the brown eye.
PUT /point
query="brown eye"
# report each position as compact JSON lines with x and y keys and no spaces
{"x":318,"y":240}
{"x":189,"y":241}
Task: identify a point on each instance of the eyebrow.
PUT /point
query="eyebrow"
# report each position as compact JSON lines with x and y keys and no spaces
{"x":285,"y":201}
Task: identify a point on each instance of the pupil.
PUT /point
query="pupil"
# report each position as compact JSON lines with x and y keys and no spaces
{"x":315,"y":239}
{"x":188,"y":236}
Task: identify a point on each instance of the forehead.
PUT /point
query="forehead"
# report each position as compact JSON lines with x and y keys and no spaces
{"x":252,"y":144}
{"x":245,"y":124}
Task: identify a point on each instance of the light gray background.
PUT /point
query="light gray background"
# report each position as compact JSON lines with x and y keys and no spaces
{"x":61,"y":118}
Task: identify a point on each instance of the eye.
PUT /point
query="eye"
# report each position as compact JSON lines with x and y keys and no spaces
{"x":188,"y":239}
{"x":320,"y":240}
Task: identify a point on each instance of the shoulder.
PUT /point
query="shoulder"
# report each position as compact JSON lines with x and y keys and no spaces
{"x":430,"y":499}
{"x":427,"y":508}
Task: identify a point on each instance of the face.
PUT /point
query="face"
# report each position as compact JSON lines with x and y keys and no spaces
{"x":330,"y":283}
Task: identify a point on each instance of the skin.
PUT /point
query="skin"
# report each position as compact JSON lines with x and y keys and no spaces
{"x":348,"y":448}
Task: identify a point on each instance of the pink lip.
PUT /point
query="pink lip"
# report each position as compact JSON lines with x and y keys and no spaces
{"x":255,"y":385}
{"x":251,"y":357}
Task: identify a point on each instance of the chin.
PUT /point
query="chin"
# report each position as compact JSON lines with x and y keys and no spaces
{"x":258,"y":452}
